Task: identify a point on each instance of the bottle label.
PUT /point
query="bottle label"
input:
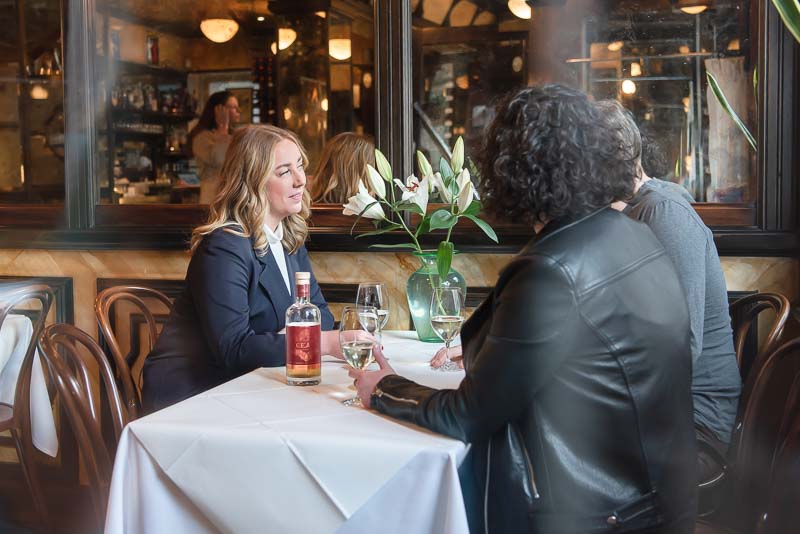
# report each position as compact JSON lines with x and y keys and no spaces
{"x":303,"y":344}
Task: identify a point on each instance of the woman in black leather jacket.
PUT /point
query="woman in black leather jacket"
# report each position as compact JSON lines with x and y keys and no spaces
{"x":577,"y":391}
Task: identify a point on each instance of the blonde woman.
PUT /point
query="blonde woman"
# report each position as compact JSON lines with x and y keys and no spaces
{"x":230,"y":317}
{"x":342,"y":166}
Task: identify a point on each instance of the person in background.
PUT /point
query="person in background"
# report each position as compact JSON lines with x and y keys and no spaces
{"x":716,"y":383}
{"x":655,"y":166}
{"x":342,"y":166}
{"x":576,"y":399}
{"x":209,"y":140}
{"x":230,"y":317}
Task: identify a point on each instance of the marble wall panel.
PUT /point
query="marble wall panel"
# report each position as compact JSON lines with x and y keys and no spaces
{"x":742,"y":273}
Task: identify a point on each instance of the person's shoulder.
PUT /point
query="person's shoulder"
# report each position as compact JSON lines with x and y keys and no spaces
{"x":670,"y":187}
{"x":230,"y":238}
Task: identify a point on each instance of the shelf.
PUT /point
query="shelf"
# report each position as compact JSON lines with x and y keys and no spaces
{"x":154,"y":115}
{"x":129,"y":67}
{"x":122,"y":132}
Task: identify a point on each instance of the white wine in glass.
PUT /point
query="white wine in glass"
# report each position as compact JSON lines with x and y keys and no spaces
{"x":374,"y":294}
{"x":447,"y":316}
{"x":356,"y":339}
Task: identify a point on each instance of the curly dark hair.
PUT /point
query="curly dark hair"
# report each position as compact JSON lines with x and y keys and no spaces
{"x":654,"y":158}
{"x":549,"y":154}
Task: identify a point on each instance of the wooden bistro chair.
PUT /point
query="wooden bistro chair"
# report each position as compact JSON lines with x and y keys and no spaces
{"x":744,"y":312}
{"x":65,"y":349}
{"x":103,"y":307}
{"x":17,"y":418}
{"x":757,"y":437}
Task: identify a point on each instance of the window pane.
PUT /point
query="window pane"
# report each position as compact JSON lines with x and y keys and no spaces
{"x":159,"y":65}
{"x":652,"y":56}
{"x":32,"y":104}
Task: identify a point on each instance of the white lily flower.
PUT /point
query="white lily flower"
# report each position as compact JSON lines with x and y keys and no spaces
{"x":457,"y":158}
{"x":415,"y":190}
{"x":356,"y":204}
{"x":465,"y":197}
{"x":376,"y":182}
{"x":438,"y":185}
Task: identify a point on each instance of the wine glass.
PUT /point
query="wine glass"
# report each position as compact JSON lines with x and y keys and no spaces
{"x":447,"y":314}
{"x":355,"y":339}
{"x":374,"y":294}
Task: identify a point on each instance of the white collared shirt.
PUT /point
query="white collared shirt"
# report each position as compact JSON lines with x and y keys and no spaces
{"x":274,"y":239}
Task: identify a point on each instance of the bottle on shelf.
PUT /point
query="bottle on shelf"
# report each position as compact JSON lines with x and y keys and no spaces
{"x":303,"y":336}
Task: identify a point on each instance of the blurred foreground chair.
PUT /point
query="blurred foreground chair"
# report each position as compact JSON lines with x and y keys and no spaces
{"x":17,"y":418}
{"x":139,"y":297}
{"x":72,"y":356}
{"x":763,"y":425}
{"x":744,"y":312}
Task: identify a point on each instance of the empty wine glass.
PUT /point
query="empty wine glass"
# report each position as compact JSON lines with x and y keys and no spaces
{"x":355,"y":339}
{"x":447,"y":315}
{"x":374,"y":294}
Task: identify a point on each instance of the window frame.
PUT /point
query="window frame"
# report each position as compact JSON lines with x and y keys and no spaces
{"x":767,"y":229}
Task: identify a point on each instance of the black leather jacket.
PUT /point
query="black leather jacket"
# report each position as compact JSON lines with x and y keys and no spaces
{"x":577,"y":396}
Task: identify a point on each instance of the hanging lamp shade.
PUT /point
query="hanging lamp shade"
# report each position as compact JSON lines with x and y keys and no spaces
{"x":286,"y":36}
{"x":520,"y":8}
{"x":340,"y":49}
{"x":219,"y":30}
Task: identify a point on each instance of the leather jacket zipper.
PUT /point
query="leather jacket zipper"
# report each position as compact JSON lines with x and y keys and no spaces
{"x":528,"y":465}
{"x":380,"y":393}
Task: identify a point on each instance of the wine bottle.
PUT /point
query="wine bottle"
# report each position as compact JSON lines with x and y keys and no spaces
{"x":303,"y":332}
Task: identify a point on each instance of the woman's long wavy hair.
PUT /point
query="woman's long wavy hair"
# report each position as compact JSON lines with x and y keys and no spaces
{"x":549,"y":154}
{"x":242,"y":204}
{"x":208,"y":118}
{"x":342,"y":166}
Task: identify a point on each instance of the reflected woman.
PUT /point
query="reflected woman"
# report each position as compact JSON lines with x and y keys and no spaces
{"x":209,"y":140}
{"x":576,"y":398}
{"x":342,"y":166}
{"x":229,"y":319}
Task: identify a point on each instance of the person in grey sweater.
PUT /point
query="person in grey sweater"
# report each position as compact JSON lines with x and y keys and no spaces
{"x":716,"y":385}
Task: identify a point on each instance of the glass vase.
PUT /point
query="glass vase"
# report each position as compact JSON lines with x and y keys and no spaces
{"x":420,"y":290}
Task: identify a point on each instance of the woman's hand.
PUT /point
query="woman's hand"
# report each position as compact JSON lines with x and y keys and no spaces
{"x":222,"y":118}
{"x":442,"y":356}
{"x":329,"y":343}
{"x":365,"y":381}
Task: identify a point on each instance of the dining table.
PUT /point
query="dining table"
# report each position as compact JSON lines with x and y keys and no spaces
{"x":257,"y":455}
{"x":15,"y":337}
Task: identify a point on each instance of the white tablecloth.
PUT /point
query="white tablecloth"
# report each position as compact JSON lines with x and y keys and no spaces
{"x":256,"y":455}
{"x":15,"y":335}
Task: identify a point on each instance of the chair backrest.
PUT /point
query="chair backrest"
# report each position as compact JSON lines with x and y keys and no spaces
{"x":72,"y":356}
{"x":744,"y":313}
{"x":9,"y":302}
{"x":783,"y":513}
{"x":103,"y":306}
{"x":758,"y":433}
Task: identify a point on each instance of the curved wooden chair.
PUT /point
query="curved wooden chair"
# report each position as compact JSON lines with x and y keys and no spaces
{"x":65,"y":349}
{"x":17,"y":418}
{"x":744,"y":312}
{"x":103,"y":306}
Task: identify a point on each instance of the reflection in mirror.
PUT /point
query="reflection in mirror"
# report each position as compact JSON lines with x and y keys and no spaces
{"x":652,"y":55}
{"x":279,"y":62}
{"x":32,"y":104}
{"x":341,"y":168}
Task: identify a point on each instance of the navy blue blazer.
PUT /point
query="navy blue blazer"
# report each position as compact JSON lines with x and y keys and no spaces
{"x":225,"y":322}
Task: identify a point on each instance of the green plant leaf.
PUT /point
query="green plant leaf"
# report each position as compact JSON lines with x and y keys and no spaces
{"x":383,"y":166}
{"x":715,"y":88}
{"x":444,"y":257}
{"x":473,"y":209}
{"x":457,"y":159}
{"x":424,"y":226}
{"x":385,"y":229}
{"x":483,"y":225}
{"x":408,"y":246}
{"x":446,"y":172}
{"x":789,"y":10}
{"x":410,"y":206}
{"x":442,"y":220}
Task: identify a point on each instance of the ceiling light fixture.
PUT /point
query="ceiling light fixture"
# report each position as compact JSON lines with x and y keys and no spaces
{"x":520,"y":8}
{"x":615,"y":46}
{"x":260,"y":18}
{"x":340,"y":49}
{"x":219,"y":30}
{"x":636,"y":69}
{"x":39,"y":93}
{"x":286,"y":36}
{"x":694,"y":10}
{"x":628,"y":87}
